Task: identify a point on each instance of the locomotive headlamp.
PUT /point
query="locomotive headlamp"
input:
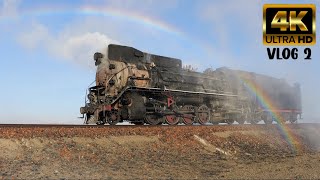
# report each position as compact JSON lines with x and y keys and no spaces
{"x":112,"y":82}
{"x":112,"y":66}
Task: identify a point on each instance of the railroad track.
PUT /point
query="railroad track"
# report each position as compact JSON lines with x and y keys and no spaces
{"x":57,"y":126}
{"x":167,"y":132}
{"x":144,"y":126}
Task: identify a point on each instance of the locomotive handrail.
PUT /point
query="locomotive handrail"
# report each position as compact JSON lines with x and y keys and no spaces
{"x":191,"y":92}
{"x":168,"y":90}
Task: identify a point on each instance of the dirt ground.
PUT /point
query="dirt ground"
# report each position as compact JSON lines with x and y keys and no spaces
{"x":180,"y":152}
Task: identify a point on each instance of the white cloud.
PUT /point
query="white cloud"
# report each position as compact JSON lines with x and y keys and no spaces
{"x":227,"y":17}
{"x":38,"y":35}
{"x":9,"y":8}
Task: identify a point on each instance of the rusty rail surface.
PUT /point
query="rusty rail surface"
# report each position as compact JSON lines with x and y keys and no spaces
{"x":144,"y":126}
{"x":57,"y":126}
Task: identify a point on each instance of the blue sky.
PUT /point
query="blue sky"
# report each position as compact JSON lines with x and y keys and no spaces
{"x":46,"y":48}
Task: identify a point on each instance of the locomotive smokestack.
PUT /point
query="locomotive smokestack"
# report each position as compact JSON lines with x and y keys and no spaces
{"x":97,"y":56}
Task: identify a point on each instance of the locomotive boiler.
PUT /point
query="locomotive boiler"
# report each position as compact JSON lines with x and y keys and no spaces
{"x":144,"y":88}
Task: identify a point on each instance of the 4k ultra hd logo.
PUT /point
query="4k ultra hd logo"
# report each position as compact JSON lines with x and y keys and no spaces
{"x":289,"y":24}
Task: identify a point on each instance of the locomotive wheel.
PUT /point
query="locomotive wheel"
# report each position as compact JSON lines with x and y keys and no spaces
{"x":188,"y":119}
{"x":153,"y":119}
{"x":113,"y":118}
{"x":230,"y":121}
{"x":254,"y":121}
{"x":101,"y":119}
{"x":203,"y":114}
{"x":267,"y":120}
{"x":281,"y":121}
{"x":138,"y":123}
{"x":241,"y":121}
{"x":100,"y":123}
{"x":172,"y":119}
{"x":293,"y":119}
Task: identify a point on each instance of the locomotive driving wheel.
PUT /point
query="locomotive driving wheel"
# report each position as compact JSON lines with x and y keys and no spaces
{"x":188,"y":119}
{"x":241,"y":120}
{"x":100,"y":123}
{"x":172,"y":119}
{"x":293,"y":118}
{"x":267,"y":118}
{"x":113,"y":117}
{"x":101,"y":119}
{"x":230,"y":121}
{"x":254,"y":121}
{"x":203,"y":114}
{"x":153,"y":119}
{"x":138,"y":123}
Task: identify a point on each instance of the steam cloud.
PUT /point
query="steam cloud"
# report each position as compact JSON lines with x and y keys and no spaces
{"x":78,"y":48}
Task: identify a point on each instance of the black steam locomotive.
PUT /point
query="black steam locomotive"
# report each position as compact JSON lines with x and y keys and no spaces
{"x":144,"y":88}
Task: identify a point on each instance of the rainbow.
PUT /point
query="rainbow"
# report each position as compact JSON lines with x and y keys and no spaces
{"x":132,"y":16}
{"x":145,"y":20}
{"x":266,"y":102}
{"x":104,"y":11}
